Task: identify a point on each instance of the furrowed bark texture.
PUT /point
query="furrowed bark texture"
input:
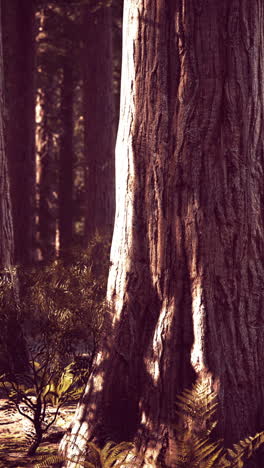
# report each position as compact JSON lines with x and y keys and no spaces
{"x":186,"y":281}
{"x":6,"y":223}
{"x":18,"y":29}
{"x":12,"y":345}
{"x":99,"y":135}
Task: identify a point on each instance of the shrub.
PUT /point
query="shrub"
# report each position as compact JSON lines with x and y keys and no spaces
{"x":62,"y":305}
{"x":35,"y":392}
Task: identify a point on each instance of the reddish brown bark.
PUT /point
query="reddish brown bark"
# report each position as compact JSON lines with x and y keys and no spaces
{"x":18,"y":28}
{"x":12,"y":345}
{"x":98,"y":118}
{"x":48,"y":167}
{"x":66,"y":162}
{"x":6,"y":222}
{"x":187,"y":255}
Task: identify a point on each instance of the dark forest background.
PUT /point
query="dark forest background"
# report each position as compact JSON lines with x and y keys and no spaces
{"x":62,"y":65}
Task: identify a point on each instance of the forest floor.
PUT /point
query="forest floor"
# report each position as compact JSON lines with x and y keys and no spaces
{"x":14,"y":442}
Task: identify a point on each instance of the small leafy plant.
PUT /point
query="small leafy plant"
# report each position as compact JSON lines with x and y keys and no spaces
{"x":61,"y":309}
{"x":41,"y":390}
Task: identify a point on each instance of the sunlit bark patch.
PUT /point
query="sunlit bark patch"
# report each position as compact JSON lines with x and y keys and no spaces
{"x":153,"y":365}
{"x":78,"y":442}
{"x":198,"y":311}
{"x":125,"y":174}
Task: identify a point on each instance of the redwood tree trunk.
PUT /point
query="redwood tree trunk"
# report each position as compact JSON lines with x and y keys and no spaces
{"x":186,"y":280}
{"x":48,"y":176}
{"x":13,"y":354}
{"x":6,"y":222}
{"x":66,"y":162}
{"x":98,"y":118}
{"x":19,"y":57}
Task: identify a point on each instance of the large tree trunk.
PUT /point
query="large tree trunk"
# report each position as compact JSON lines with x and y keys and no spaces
{"x":6,"y":222}
{"x":13,"y":355}
{"x":19,"y":56}
{"x":186,"y":281}
{"x":98,"y":118}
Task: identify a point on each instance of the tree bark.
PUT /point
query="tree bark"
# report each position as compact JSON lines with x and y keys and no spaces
{"x":66,"y":162}
{"x":13,"y":354}
{"x":6,"y":222}
{"x":19,"y":58}
{"x":186,"y":280}
{"x":47,"y":173}
{"x":98,"y":118}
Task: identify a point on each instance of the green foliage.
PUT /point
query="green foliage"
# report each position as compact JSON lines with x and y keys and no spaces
{"x":62,"y":305}
{"x":33,"y":393}
{"x":193,"y":445}
{"x":196,"y":409}
{"x":109,"y":456}
{"x":65,"y":297}
{"x":66,"y":388}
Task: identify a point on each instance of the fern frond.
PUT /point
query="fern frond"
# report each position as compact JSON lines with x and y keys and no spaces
{"x":244,"y":449}
{"x":197,"y":399}
{"x":113,"y":453}
{"x":109,"y":456}
{"x":55,"y":459}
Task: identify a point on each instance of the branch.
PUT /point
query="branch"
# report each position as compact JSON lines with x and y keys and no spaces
{"x":23,"y":397}
{"x":53,"y":419}
{"x":24,"y":414}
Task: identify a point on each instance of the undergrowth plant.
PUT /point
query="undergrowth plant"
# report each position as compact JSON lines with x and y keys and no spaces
{"x":64,"y":302}
{"x":62,"y":307}
{"x":39,"y":394}
{"x":111,"y":455}
{"x":194,"y":447}
{"x":193,"y":444}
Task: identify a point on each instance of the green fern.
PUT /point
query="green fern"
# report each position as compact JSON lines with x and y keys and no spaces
{"x":193,"y":447}
{"x":109,"y":456}
{"x":114,"y":454}
{"x":56,"y":459}
{"x":197,"y":407}
{"x":242,"y":450}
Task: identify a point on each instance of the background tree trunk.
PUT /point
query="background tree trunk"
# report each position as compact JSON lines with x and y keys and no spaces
{"x":98,"y":118}
{"x":48,"y":172}
{"x":12,"y":345}
{"x":186,"y":281}
{"x":19,"y":57}
{"x":66,"y":162}
{"x":6,"y":222}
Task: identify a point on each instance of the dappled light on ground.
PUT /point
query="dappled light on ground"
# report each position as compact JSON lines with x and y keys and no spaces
{"x":14,"y":442}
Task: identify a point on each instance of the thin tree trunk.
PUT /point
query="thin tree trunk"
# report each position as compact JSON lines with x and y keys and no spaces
{"x":66,"y":162}
{"x":98,"y":119}
{"x":35,"y":444}
{"x":186,"y":281}
{"x":47,"y":203}
{"x":48,"y":128}
{"x":19,"y":57}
